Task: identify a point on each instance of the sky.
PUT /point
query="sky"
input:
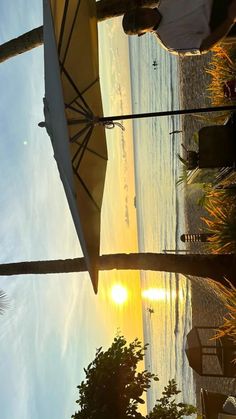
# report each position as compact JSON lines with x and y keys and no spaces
{"x":54,"y":324}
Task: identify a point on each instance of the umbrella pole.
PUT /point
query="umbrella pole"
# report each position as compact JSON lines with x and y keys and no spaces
{"x":110,"y":119}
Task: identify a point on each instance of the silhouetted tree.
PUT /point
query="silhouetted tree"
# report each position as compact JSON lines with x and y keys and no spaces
{"x":113,"y":387}
{"x":214,"y":266}
{"x":168,"y":408}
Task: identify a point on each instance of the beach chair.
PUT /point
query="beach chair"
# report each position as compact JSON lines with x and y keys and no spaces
{"x":212,"y":405}
{"x":226,"y":416}
{"x":217,"y":145}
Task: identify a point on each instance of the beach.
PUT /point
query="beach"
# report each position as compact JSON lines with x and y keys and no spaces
{"x":207,"y":309}
{"x":194,"y":81}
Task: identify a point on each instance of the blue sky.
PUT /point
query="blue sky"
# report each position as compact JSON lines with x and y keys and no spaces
{"x":54,"y":323}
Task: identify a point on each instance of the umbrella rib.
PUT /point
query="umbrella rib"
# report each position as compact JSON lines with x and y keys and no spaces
{"x":81,"y":110}
{"x":97,"y":154}
{"x":75,"y":169}
{"x":85,"y":90}
{"x":87,"y":191}
{"x":63,"y":26}
{"x":75,"y":88}
{"x":83,"y":146}
{"x":79,"y":149}
{"x":79,"y":134}
{"x":71,"y":31}
{"x":75,"y":100}
{"x":75,"y":121}
{"x":76,"y":154}
{"x":88,"y":113}
{"x":77,"y":110}
{"x":89,"y":86}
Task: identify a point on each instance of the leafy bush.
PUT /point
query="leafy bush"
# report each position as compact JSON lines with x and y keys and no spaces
{"x":113,"y":387}
{"x":168,"y":408}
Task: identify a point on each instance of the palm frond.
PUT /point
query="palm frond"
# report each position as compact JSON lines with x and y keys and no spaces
{"x":220,"y":205}
{"x":222,"y":69}
{"x":227,"y":295}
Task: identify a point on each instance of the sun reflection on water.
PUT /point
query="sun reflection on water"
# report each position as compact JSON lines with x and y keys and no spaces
{"x":161,"y":294}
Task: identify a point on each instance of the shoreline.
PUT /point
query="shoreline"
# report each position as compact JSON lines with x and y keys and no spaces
{"x":207,"y":309}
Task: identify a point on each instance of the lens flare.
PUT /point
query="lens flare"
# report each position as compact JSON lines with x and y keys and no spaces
{"x":119,"y":294}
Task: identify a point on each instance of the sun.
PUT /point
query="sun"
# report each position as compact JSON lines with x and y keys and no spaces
{"x":119,"y":294}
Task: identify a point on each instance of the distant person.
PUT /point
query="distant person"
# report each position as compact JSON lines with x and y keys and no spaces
{"x":185,"y":27}
{"x":177,"y":131}
{"x":150,"y":310}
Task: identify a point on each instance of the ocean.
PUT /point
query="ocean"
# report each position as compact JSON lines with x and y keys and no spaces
{"x":160,"y":212}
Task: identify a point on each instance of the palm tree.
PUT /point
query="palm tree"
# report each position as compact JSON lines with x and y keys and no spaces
{"x":217,"y":267}
{"x":23,"y":43}
{"x":106,"y":9}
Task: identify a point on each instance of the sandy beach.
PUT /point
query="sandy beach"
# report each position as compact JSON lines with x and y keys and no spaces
{"x":207,"y":309}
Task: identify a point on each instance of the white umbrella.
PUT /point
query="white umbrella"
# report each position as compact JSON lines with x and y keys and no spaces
{"x":72,"y":99}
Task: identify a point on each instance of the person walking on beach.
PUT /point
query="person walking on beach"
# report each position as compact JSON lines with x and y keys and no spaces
{"x":185,"y":27}
{"x":177,"y":131}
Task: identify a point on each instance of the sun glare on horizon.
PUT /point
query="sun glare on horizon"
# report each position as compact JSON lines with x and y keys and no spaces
{"x":158,"y":294}
{"x":119,"y":294}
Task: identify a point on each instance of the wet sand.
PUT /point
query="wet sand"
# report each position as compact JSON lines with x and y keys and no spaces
{"x":207,"y":309}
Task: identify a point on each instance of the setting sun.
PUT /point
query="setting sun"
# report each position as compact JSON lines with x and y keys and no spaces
{"x":119,"y":294}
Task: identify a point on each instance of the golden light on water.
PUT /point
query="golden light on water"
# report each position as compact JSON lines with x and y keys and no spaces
{"x":154,"y":294}
{"x":119,"y":294}
{"x":158,"y":294}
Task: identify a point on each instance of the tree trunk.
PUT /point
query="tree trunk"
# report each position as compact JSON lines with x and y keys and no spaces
{"x":217,"y":267}
{"x":106,"y":9}
{"x":23,"y":43}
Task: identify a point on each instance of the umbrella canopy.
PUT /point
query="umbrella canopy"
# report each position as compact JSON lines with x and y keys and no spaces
{"x":193,"y":350}
{"x":72,"y":101}
{"x":194,"y":359}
